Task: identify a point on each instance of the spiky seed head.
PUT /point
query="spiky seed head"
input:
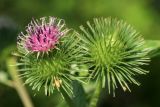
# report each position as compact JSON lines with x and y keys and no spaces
{"x":114,"y":52}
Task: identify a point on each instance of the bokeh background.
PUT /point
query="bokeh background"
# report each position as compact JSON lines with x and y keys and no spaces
{"x":144,"y":15}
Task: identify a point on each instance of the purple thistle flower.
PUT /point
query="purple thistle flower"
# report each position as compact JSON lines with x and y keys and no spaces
{"x":42,"y":36}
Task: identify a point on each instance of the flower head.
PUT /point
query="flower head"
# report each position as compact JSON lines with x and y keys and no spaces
{"x":42,"y":35}
{"x":52,"y":71}
{"x":114,"y":52}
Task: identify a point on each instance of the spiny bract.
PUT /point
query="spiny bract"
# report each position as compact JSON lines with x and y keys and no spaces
{"x":114,"y":52}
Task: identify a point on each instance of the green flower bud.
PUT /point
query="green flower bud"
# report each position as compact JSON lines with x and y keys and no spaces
{"x":114,"y":52}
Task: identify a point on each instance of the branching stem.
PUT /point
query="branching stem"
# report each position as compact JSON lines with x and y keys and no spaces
{"x":18,"y":84}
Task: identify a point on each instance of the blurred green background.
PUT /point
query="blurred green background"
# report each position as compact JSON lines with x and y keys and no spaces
{"x":143,"y":15}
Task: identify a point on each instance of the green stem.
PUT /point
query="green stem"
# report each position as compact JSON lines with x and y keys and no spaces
{"x":95,"y":97}
{"x":18,"y":84}
{"x":8,"y":83}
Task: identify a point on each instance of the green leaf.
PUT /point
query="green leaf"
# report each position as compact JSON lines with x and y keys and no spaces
{"x":79,"y":98}
{"x":155,"y":47}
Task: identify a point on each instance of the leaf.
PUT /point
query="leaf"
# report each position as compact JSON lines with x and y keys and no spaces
{"x":154,"y":45}
{"x":79,"y":98}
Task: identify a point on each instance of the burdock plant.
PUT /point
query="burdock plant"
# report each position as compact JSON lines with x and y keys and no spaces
{"x":110,"y":50}
{"x":47,"y":50}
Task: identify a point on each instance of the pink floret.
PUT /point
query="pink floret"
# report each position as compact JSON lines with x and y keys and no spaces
{"x":42,"y":38}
